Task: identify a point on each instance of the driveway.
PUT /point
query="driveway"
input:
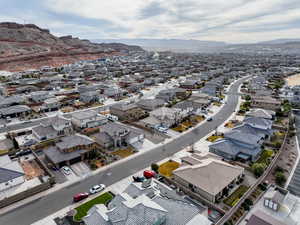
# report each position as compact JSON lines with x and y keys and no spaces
{"x":81,"y":169}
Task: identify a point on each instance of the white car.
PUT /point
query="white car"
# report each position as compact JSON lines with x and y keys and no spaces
{"x":162,"y":129}
{"x":66,"y":170}
{"x":97,"y":188}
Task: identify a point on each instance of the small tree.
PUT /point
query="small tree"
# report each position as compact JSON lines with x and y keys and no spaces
{"x":249,"y":201}
{"x":154,"y":167}
{"x":258,"y":169}
{"x":280,"y":178}
{"x":245,"y":206}
{"x":248,"y":98}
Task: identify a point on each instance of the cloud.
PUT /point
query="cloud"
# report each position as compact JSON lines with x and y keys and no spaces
{"x":233,"y":21}
{"x":152,"y":10}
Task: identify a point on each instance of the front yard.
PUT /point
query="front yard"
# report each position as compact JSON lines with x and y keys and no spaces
{"x":81,"y":211}
{"x":167,"y":168}
{"x":214,"y":138}
{"x":123,"y":153}
{"x":235,"y":196}
{"x":265,"y":156}
{"x":188,"y":123}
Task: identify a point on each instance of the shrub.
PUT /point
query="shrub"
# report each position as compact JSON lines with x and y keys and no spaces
{"x":258,"y":169}
{"x":245,"y":206}
{"x":248,"y":98}
{"x":154,"y":167}
{"x":279,"y":169}
{"x":280,"y":178}
{"x":249,"y":201}
{"x":263,"y":187}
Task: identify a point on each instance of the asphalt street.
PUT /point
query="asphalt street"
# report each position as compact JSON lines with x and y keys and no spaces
{"x":55,"y":201}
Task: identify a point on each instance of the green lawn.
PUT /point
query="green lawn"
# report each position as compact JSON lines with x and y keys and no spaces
{"x":84,"y":208}
{"x":235,"y":196}
{"x":264,"y":156}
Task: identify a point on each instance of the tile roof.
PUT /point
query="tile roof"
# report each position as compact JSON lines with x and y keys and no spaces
{"x":210,"y":175}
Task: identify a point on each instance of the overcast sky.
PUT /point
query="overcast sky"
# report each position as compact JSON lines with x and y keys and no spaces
{"x":220,"y":20}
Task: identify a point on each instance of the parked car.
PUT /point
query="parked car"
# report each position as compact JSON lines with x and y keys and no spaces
{"x":97,"y":188}
{"x":66,"y":170}
{"x":162,"y":129}
{"x":23,"y":152}
{"x":138,"y":179}
{"x":112,"y":117}
{"x":80,"y":196}
{"x":209,"y":119}
{"x":149,"y":174}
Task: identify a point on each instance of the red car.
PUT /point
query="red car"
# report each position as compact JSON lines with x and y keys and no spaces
{"x":80,"y":196}
{"x":149,"y":174}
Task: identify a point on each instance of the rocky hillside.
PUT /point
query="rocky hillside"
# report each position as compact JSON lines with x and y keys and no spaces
{"x":28,"y":46}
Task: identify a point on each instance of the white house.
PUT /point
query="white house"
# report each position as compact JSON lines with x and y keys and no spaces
{"x":11,"y":173}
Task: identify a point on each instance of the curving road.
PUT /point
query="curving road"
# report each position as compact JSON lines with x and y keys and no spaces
{"x":27,"y":214}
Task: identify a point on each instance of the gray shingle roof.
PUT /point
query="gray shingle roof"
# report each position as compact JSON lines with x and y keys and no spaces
{"x":57,"y":156}
{"x":179,"y":212}
{"x":231,"y":148}
{"x":74,"y":140}
{"x":249,"y":139}
{"x":14,"y":109}
{"x":84,"y":114}
{"x":7,"y":175}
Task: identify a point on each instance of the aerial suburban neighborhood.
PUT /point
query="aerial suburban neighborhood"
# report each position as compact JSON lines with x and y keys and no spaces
{"x":117,"y":134}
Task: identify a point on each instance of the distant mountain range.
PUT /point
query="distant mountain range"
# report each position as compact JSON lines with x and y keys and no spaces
{"x":278,"y":46}
{"x":169,"y":44}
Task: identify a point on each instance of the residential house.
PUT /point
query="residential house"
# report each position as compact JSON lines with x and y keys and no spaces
{"x":211,"y":91}
{"x":170,"y":94}
{"x":52,"y":128}
{"x":89,"y":97}
{"x":15,"y":111}
{"x":276,"y":207}
{"x":265,"y":102}
{"x":146,"y":203}
{"x":167,"y":95}
{"x":50,"y":104}
{"x":69,"y":150}
{"x":209,"y":177}
{"x":189,"y":84}
{"x":116,"y":135}
{"x":11,"y":173}
{"x":164,"y":116}
{"x":261,"y":218}
{"x":114,"y":92}
{"x":39,"y":96}
{"x":88,"y":119}
{"x":238,"y":145}
{"x":150,"y":104}
{"x":11,"y":101}
{"x":127,"y":111}
{"x":261,"y":113}
{"x":256,"y":126}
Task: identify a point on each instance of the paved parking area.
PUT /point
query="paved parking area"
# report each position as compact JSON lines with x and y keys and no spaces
{"x":172,"y":133}
{"x":72,"y":176}
{"x":81,"y":169}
